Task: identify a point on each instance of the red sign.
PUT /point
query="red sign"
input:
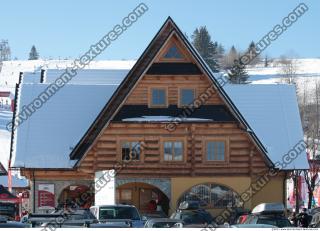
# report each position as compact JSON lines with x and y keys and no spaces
{"x":46,"y":198}
{"x":4,"y":196}
{"x":25,"y":195}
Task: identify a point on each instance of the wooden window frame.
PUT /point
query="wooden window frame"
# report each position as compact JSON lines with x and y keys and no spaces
{"x":150,"y":105}
{"x":173,"y":139}
{"x":226,"y":150}
{"x":130,"y":140}
{"x":180,"y":96}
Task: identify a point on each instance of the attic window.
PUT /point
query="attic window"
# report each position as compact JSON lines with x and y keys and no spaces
{"x":173,"y":53}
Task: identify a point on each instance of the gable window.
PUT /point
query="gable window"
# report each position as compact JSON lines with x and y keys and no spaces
{"x":159,"y":97}
{"x":173,"y":53}
{"x":187,"y":96}
{"x":130,"y":150}
{"x":173,"y":150}
{"x":215,"y":151}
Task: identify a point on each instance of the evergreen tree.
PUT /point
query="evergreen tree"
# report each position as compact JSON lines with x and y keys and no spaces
{"x":238,"y":74}
{"x":252,"y":50}
{"x":33,"y":55}
{"x":201,"y":40}
{"x":266,"y":61}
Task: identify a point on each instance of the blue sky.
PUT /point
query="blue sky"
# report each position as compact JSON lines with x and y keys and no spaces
{"x":68,"y":28}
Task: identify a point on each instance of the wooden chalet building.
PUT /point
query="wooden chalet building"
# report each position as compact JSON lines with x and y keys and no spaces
{"x":212,"y":151}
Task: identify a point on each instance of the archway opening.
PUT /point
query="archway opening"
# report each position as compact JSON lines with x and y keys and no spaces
{"x":76,"y":196}
{"x":147,"y":198}
{"x":212,"y":196}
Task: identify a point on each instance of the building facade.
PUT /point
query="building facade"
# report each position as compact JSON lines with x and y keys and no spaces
{"x":171,"y":132}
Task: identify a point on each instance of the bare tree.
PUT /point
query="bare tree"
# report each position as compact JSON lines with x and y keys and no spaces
{"x":311,"y":179}
{"x":228,"y":61}
{"x":288,"y":70}
{"x":5,"y":52}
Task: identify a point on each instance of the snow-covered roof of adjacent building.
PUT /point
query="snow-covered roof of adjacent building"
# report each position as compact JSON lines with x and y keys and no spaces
{"x":16,"y":182}
{"x":89,"y":76}
{"x":47,"y":137}
{"x":273,"y":114}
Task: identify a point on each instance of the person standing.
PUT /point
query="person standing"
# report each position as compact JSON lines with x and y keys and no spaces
{"x":303,"y":218}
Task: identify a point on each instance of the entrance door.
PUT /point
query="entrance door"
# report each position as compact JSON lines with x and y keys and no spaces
{"x":144,"y":197}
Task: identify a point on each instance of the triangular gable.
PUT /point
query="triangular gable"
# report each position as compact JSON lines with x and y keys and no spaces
{"x":168,"y":29}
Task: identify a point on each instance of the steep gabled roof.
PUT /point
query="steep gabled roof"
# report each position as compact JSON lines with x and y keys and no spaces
{"x":140,"y":67}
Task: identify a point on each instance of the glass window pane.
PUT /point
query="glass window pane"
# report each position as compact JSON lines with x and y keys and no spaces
{"x":215,"y":150}
{"x":131,"y":150}
{"x":135,"y":150}
{"x":125,"y":151}
{"x":187,"y":96}
{"x":158,"y":96}
{"x":173,"y":52}
{"x":168,"y":151}
{"x":178,"y":151}
{"x":126,"y":194}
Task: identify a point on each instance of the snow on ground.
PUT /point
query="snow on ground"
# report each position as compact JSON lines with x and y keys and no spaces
{"x":306,"y":68}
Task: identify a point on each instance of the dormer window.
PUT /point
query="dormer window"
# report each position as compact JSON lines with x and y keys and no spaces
{"x":158,"y":97}
{"x":173,"y":53}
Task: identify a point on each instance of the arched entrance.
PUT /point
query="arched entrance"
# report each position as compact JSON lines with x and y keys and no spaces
{"x":76,"y":196}
{"x":144,"y":196}
{"x":212,"y":196}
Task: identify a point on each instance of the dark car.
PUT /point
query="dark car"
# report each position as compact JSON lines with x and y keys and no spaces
{"x":163,"y":223}
{"x":193,"y":216}
{"x":154,"y":214}
{"x":279,"y":221}
{"x":4,"y":223}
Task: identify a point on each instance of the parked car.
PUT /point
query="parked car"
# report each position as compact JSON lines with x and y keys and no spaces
{"x":255,"y":226}
{"x":164,"y":223}
{"x":315,"y":222}
{"x":119,"y":214}
{"x":193,"y":216}
{"x":5,"y":223}
{"x":154,"y":214}
{"x":269,"y":214}
{"x":63,"y":219}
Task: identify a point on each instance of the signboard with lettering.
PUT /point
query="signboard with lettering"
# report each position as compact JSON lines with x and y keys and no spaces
{"x":46,"y":198}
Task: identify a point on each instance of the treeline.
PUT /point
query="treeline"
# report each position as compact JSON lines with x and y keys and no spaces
{"x":5,"y":51}
{"x":218,"y":59}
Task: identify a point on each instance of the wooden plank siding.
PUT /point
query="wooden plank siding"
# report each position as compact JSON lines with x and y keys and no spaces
{"x":200,"y":83}
{"x":108,"y":150}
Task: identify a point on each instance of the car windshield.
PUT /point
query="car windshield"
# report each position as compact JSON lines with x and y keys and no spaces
{"x":129,"y":213}
{"x":281,"y":223}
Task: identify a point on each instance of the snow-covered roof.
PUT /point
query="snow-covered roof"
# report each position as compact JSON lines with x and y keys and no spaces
{"x":46,"y":139}
{"x":90,"y":76}
{"x":273,"y":114}
{"x":31,"y":77}
{"x":5,"y":138}
{"x":16,"y":182}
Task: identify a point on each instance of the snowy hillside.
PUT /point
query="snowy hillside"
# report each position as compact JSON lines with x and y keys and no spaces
{"x":308,"y":70}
